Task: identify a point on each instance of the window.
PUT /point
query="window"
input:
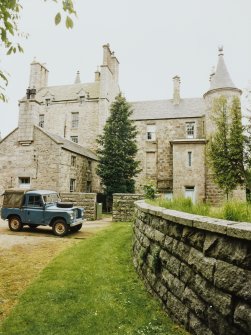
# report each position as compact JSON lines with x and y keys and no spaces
{"x":41,"y":120}
{"x":89,"y":165}
{"x":24,"y":182}
{"x":47,"y":101}
{"x":190,"y":129}
{"x":151,"y":132}
{"x":169,"y":195}
{"x":74,"y":139}
{"x":35,"y":201}
{"x":73,"y":160}
{"x":72,"y":185}
{"x":189,"y":192}
{"x":189,"y":158}
{"x":74,"y":120}
{"x":81,"y":99}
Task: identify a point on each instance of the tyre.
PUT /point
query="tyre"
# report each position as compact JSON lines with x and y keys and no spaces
{"x":76,"y":228}
{"x":15,"y":223}
{"x":60,"y":228}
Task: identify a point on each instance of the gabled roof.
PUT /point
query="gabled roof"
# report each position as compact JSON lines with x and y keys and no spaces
{"x":68,"y":92}
{"x":221,"y":78}
{"x":70,"y":146}
{"x":165,"y":109}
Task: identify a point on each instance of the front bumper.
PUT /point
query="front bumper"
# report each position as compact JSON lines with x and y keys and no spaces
{"x":77,"y":222}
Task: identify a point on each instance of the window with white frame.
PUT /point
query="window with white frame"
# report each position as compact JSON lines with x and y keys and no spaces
{"x":74,"y":120}
{"x":24,"y":182}
{"x":41,"y":120}
{"x":169,"y":195}
{"x":151,"y":132}
{"x":74,"y":139}
{"x":190,"y":129}
{"x":189,"y":192}
{"x":72,"y":185}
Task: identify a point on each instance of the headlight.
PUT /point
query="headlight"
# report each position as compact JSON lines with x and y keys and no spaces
{"x":71,"y":216}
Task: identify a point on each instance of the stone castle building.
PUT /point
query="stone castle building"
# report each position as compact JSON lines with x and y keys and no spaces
{"x":55,"y":142}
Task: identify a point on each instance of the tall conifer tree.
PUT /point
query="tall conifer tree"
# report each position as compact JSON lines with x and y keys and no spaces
{"x":117,"y":150}
{"x":225,"y":150}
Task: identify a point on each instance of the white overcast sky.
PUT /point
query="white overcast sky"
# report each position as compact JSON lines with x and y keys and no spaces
{"x":152,"y":39}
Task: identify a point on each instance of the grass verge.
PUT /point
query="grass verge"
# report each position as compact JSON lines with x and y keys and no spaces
{"x":90,"y":289}
{"x":19,"y":266}
{"x":231,"y":210}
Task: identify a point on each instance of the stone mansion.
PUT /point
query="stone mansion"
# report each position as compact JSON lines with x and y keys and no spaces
{"x":54,"y":145}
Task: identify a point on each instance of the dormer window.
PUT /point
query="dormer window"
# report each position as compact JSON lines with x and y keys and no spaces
{"x":47,"y":101}
{"x":81,"y":99}
{"x":74,"y":139}
{"x":190,"y":129}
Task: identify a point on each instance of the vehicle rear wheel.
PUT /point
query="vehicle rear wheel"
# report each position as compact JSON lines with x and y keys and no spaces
{"x":15,"y":223}
{"x":76,"y":228}
{"x":60,"y":228}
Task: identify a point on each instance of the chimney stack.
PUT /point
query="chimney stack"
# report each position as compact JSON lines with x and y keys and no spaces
{"x":176,"y":90}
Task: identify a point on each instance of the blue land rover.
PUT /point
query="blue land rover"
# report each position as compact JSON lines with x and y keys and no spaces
{"x":40,"y":207}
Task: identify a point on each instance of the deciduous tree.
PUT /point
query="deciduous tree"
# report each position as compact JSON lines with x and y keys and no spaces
{"x":9,"y":32}
{"x":226,"y":145}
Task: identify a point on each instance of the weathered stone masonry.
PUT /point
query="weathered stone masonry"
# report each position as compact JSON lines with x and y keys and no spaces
{"x":123,"y":206}
{"x":86,"y":200}
{"x":198,"y":267}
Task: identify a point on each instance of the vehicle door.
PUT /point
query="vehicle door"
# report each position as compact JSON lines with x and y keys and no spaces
{"x":34,"y":209}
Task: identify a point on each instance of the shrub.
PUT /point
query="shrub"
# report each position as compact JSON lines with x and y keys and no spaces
{"x":149,"y":191}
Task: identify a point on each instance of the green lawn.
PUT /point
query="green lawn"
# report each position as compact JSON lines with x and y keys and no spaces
{"x":91,"y":289}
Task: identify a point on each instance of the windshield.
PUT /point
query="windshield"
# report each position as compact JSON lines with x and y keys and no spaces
{"x":51,"y":198}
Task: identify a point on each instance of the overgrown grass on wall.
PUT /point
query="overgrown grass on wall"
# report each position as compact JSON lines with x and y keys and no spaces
{"x":231,"y":210}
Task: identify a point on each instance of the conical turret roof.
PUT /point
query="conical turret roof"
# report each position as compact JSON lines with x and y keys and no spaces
{"x":221,"y":77}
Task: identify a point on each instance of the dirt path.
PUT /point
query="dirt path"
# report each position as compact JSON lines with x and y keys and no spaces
{"x":24,"y":254}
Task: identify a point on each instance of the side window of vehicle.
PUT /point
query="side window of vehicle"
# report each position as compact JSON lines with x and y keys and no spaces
{"x":35,"y":201}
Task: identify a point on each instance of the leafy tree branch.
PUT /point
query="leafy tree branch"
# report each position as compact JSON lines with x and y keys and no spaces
{"x":10,"y":11}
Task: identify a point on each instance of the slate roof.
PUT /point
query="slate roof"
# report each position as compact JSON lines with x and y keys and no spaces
{"x":165,"y":109}
{"x":68,"y":92}
{"x":70,"y":146}
{"x":221,"y":78}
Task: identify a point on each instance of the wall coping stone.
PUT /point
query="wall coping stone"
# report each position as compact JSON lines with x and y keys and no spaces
{"x":240,"y":230}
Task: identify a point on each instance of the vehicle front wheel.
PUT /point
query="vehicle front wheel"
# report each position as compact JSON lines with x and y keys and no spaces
{"x":76,"y":228}
{"x":60,"y":228}
{"x":15,"y":223}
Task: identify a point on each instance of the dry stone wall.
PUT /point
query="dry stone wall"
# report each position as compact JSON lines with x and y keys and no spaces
{"x":123,"y":206}
{"x":86,"y":200}
{"x":198,"y":267}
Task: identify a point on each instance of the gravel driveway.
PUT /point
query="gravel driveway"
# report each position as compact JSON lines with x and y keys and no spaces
{"x":8,"y":238}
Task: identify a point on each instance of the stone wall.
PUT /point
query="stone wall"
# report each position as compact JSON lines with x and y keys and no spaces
{"x":86,"y":200}
{"x":166,"y":131}
{"x":123,"y":206}
{"x":198,"y":267}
